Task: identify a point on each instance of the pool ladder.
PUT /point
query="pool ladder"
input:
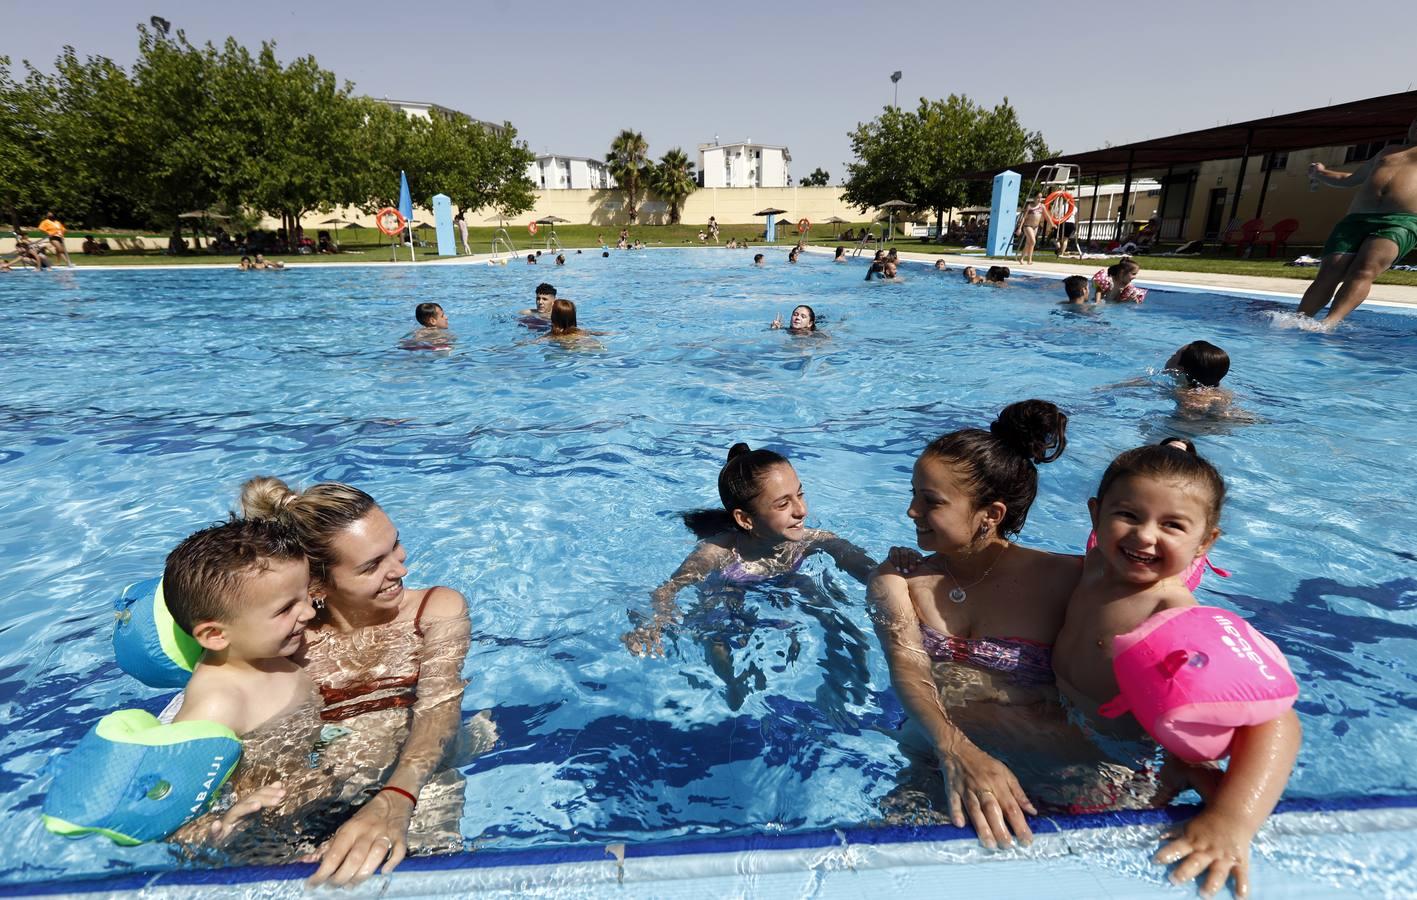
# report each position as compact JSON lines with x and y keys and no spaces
{"x":502,"y":243}
{"x":866,"y":238}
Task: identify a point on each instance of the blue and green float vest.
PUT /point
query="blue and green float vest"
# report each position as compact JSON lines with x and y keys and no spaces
{"x":132,"y":778}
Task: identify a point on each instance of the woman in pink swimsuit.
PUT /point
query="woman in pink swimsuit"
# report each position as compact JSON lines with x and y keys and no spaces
{"x":968,"y":633}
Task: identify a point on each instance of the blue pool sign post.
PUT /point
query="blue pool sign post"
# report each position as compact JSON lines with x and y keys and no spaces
{"x":406,"y":210}
{"x":443,"y":222}
{"x":771,"y":228}
{"x":1003,"y":212}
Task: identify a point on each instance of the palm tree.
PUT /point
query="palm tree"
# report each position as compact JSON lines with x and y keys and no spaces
{"x":673,"y":179}
{"x":628,"y":161}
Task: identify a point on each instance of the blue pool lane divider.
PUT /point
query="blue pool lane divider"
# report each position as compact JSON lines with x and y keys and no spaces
{"x":891,"y":852}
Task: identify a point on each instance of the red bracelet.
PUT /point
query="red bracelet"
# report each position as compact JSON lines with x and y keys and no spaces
{"x":398,"y":790}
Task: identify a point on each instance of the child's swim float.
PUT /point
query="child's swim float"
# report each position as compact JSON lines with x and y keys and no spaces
{"x":1191,"y":676}
{"x":132,"y":778}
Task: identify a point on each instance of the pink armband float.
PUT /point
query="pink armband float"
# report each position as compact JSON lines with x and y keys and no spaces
{"x":1192,"y":676}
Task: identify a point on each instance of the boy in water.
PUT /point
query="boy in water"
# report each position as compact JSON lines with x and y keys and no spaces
{"x":1076,"y":288}
{"x":242,"y":590}
{"x":432,"y":333}
{"x":1201,"y":365}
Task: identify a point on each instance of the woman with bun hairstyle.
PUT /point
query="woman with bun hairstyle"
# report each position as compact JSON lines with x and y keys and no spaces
{"x":759,"y":534}
{"x":388,"y":661}
{"x":968,"y":632}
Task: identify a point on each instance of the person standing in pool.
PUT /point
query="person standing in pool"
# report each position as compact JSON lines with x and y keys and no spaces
{"x":803,"y":321}
{"x":758,"y":535}
{"x":388,"y":661}
{"x":1379,"y":230}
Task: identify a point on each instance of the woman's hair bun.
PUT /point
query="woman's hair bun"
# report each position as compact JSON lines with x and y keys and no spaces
{"x":738,"y":450}
{"x":1035,"y":429}
{"x":266,"y":497}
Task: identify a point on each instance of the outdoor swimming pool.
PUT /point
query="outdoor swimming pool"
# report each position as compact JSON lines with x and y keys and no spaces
{"x":543,"y":482}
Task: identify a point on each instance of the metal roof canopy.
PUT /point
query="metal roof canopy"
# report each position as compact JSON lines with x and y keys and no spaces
{"x":1358,"y":122}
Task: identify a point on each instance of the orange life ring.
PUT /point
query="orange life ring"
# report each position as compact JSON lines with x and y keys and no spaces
{"x":390,"y":221}
{"x":531,"y":228}
{"x":1048,"y":207}
{"x":804,"y":225}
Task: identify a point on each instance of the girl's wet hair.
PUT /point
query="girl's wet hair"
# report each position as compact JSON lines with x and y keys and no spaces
{"x":1001,"y":464}
{"x":811,"y":317}
{"x":563,"y":316}
{"x":739,"y":484}
{"x":1166,"y":462}
{"x":318,"y":515}
{"x":1125,"y":264}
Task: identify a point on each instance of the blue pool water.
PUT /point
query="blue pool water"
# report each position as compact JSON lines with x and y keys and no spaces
{"x":543,"y":482}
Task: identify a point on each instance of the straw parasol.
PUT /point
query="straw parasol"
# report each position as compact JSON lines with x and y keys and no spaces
{"x":891,"y":206}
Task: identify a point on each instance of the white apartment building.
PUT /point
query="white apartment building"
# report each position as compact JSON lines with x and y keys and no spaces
{"x":425,"y":110}
{"x":744,"y":164}
{"x":554,"y":173}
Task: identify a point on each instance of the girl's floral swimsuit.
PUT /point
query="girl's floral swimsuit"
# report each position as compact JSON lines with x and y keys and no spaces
{"x":1130,"y":294}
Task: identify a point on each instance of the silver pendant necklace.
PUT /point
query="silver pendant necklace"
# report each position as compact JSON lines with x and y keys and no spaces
{"x":957,"y":593}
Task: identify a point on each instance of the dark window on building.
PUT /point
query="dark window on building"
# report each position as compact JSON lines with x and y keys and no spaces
{"x":1276,"y":162}
{"x":1364,"y":152}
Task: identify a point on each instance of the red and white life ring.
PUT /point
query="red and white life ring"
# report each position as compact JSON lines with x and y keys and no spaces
{"x":531,"y":228}
{"x":1048,"y":207}
{"x":804,"y":225}
{"x":390,"y":221}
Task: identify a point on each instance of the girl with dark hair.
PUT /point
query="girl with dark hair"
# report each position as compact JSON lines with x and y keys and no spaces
{"x":1156,"y":513}
{"x":758,"y":534}
{"x":968,"y":633}
{"x":803,"y":320}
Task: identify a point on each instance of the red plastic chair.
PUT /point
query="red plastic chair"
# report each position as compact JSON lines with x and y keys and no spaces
{"x":1243,"y":236}
{"x":1280,"y":234}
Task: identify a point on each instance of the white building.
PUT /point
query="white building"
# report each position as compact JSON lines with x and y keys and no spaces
{"x":744,"y":164}
{"x":553,"y":173}
{"x":425,"y":110}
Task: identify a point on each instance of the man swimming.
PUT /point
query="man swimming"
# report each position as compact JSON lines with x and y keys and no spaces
{"x":1380,"y":229}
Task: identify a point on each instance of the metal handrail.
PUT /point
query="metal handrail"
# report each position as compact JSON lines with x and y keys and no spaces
{"x":505,"y":241}
{"x":865,"y":239}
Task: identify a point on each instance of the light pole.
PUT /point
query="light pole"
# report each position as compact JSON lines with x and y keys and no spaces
{"x":895,"y":82}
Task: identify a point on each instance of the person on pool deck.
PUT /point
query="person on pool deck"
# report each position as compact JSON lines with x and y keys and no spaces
{"x":54,"y":229}
{"x":1157,"y":511}
{"x":1379,"y":230}
{"x":968,"y":637}
{"x":388,"y":661}
{"x":1029,"y":222}
{"x":242,"y":590}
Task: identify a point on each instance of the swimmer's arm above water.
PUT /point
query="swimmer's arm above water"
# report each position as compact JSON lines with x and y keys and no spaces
{"x":1218,"y":840}
{"x":977,"y":784}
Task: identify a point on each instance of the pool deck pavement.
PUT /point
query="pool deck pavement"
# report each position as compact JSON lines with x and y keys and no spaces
{"x":1394,"y":295}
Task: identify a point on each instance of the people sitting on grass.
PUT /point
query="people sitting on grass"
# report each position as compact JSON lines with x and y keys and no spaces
{"x":92,"y":247}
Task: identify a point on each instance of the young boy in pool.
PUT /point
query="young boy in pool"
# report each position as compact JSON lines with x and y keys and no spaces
{"x":242,"y":590}
{"x":1075,"y":286}
{"x":432,"y":333}
{"x":1200,"y":365}
{"x":1157,"y":510}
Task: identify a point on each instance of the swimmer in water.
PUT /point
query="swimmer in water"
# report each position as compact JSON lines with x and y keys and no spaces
{"x":1157,"y":511}
{"x":971,"y":276}
{"x":803,"y":321}
{"x":432,"y":333}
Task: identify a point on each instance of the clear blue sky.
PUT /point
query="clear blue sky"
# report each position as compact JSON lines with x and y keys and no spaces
{"x":570,"y":75}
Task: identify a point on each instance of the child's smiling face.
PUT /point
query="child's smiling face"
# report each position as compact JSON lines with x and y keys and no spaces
{"x":1150,"y":529}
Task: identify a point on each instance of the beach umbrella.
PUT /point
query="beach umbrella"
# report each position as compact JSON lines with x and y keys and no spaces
{"x":891,"y":206}
{"x":770,"y":229}
{"x":551,"y":220}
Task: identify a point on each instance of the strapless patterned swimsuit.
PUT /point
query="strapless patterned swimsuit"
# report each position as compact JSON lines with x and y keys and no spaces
{"x":1026,"y":663}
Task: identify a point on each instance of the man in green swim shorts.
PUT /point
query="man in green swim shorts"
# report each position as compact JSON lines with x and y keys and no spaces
{"x":1379,"y":230}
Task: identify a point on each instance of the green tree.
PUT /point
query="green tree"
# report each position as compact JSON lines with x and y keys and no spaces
{"x":818,"y":178}
{"x":921,"y":157}
{"x":628,"y":161}
{"x":22,"y":109}
{"x":476,"y":166}
{"x":673,"y":180}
